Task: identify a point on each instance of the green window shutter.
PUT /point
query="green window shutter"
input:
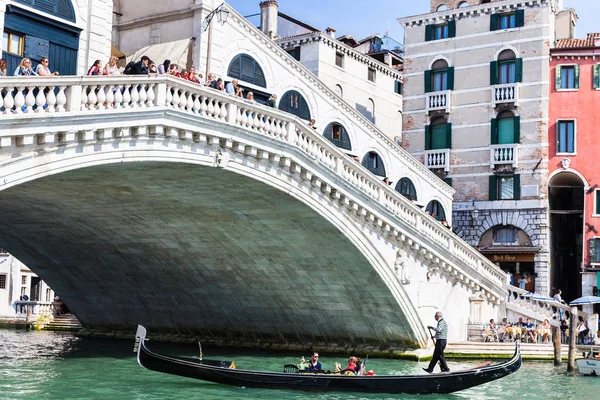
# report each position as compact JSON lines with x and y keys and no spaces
{"x":493,"y":187}
{"x":448,"y":181}
{"x":428,"y":137}
{"x":517,"y":130}
{"x":519,"y":70}
{"x":557,"y":77}
{"x":494,"y":131}
{"x":452,"y":28}
{"x":577,"y":76}
{"x":400,"y":88}
{"x":494,"y":22}
{"x":448,"y":135}
{"x":517,"y":186}
{"x":494,"y":73}
{"x":396,"y":87}
{"x":429,"y":35}
{"x":450,"y":78}
{"x":596,"y":76}
{"x":428,"y":81}
{"x":520,"y":18}
{"x":593,"y":252}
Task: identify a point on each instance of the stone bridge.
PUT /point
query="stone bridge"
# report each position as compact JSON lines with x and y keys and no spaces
{"x":152,"y":200}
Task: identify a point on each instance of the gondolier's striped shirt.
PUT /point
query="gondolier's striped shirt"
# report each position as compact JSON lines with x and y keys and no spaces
{"x":441,"y":332}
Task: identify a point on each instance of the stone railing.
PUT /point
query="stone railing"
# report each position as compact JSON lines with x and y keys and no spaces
{"x":34,"y":308}
{"x":503,"y":154}
{"x":438,"y":101}
{"x":98,"y":96}
{"x":434,"y":159}
{"x":506,"y":93}
{"x":542,"y":309}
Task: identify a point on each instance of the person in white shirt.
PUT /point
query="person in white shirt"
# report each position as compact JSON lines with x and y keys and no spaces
{"x":42,"y":68}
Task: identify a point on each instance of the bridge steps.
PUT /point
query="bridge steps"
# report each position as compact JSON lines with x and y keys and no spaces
{"x":529,"y":351}
{"x":64,"y":322}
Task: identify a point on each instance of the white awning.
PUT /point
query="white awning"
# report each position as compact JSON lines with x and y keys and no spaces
{"x":178,"y":52}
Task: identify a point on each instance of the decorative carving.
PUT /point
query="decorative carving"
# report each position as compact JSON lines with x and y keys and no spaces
{"x":222,"y":158}
{"x":566,"y":163}
{"x":401,"y":268}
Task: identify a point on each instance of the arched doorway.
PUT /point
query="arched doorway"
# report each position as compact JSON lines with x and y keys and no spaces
{"x":566,"y":196}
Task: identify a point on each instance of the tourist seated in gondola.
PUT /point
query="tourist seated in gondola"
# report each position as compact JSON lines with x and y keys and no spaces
{"x":314,"y":365}
{"x":351,"y":367}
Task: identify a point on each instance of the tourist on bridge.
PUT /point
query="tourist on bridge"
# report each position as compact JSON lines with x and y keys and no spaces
{"x":314,"y":365}
{"x":441,"y":336}
{"x":272,"y":102}
{"x":24,"y":68}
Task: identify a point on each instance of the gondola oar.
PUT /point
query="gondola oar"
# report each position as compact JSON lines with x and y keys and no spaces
{"x":432,"y":335}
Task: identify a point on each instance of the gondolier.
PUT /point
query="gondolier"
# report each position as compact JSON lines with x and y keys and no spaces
{"x":441,"y":336}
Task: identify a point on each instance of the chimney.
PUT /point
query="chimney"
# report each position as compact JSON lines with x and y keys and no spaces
{"x":268,"y":18}
{"x":330,"y":32}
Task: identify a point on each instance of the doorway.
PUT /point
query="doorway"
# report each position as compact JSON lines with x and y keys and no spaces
{"x":566,"y":195}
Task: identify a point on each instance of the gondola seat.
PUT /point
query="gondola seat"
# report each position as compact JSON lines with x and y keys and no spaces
{"x":290,"y":369}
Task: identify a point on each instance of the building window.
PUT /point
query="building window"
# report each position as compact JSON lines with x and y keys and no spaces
{"x":337,"y":134}
{"x":506,"y":236}
{"x":506,"y":128}
{"x":59,"y":8}
{"x":371,"y":110}
{"x":440,"y":77}
{"x":13,"y":43}
{"x":245,"y":68}
{"x":373,"y":162}
{"x":509,"y":20}
{"x":565,"y":137}
{"x":407,"y":189}
{"x":597,"y":205}
{"x":567,"y":77}
{"x":438,"y":135}
{"x":295,"y":52}
{"x":2,"y":281}
{"x":24,"y":280}
{"x":507,"y":69}
{"x":505,"y":187}
{"x":595,"y":251}
{"x":339,"y":59}
{"x":440,"y":31}
{"x":294,"y":100}
{"x":435,"y":209}
{"x":49,"y":294}
{"x":371,"y":75}
{"x":398,"y":87}
{"x":339,"y":91}
{"x":294,"y":103}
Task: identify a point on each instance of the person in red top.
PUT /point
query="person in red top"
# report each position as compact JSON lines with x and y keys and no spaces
{"x":192,"y":75}
{"x":96,"y":68}
{"x":173,"y":70}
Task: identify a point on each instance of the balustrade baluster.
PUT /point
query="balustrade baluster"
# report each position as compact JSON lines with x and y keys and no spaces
{"x":119,"y":96}
{"x":196,"y":107}
{"x":127,"y":96}
{"x":29,"y":100}
{"x":210,"y":109}
{"x":169,"y":96}
{"x":190,"y":102}
{"x":143,"y":96}
{"x":110,"y":97}
{"x":40,"y":101}
{"x":61,"y":99}
{"x":135,"y":96}
{"x":183,"y":99}
{"x":19,"y":100}
{"x":2,"y":101}
{"x":51,"y":100}
{"x":92,"y":98}
{"x":101,"y":97}
{"x":203,"y":106}
{"x":84,"y":97}
{"x":151,"y":96}
{"x":223,"y":113}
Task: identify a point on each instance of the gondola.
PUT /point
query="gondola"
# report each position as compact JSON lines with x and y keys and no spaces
{"x":224,"y":372}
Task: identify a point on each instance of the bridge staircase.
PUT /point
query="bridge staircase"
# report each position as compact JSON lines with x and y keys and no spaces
{"x":64,"y":322}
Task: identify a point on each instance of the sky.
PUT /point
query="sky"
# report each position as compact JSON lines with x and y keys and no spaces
{"x":363,"y":18}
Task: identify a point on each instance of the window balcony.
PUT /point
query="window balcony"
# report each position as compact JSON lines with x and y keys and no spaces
{"x":506,"y":93}
{"x":504,"y":154}
{"x":438,"y":101}
{"x":435,"y":159}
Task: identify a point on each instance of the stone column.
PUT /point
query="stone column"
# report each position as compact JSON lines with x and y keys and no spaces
{"x":201,"y":46}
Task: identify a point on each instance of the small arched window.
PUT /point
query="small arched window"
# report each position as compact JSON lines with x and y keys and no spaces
{"x":339,"y":91}
{"x":59,"y":8}
{"x":406,"y":188}
{"x":373,"y":162}
{"x":245,"y":68}
{"x":436,"y":210}
{"x":337,"y":134}
{"x":439,"y":76}
{"x":506,"y":128}
{"x":507,"y":67}
{"x":463,"y":4}
{"x":294,"y":103}
{"x":371,"y":110}
{"x":442,"y":7}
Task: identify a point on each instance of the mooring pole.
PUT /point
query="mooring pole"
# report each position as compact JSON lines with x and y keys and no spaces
{"x":556,"y":341}
{"x":572,"y":339}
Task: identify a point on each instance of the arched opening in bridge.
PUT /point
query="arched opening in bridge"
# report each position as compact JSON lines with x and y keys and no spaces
{"x":294,"y":103}
{"x":337,"y":134}
{"x":373,"y":162}
{"x":512,"y":250}
{"x":35,"y":35}
{"x":406,"y":188}
{"x":566,"y":196}
{"x":436,"y":209}
{"x":247,"y":70}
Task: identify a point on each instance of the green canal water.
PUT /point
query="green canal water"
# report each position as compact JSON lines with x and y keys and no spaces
{"x":49,"y":365}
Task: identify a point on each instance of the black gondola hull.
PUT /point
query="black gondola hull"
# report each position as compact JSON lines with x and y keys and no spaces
{"x":409,"y":384}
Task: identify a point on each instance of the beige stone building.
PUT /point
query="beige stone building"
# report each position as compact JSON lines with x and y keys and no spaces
{"x":476,"y":95}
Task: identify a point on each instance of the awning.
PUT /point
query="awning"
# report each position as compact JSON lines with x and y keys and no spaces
{"x":178,"y":52}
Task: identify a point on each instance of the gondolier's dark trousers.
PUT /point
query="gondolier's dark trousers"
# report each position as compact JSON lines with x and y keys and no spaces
{"x":438,"y":355}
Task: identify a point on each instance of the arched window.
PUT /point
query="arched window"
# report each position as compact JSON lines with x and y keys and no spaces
{"x":339,"y":91}
{"x":59,"y":8}
{"x":406,"y":188}
{"x":506,"y":67}
{"x":435,"y":208}
{"x":442,"y":7}
{"x":463,"y":4}
{"x":245,"y":68}
{"x":373,"y":162}
{"x":439,"y":76}
{"x":337,"y":134}
{"x":505,"y":128}
{"x":506,"y":236}
{"x":294,"y":103}
{"x":371,"y":110}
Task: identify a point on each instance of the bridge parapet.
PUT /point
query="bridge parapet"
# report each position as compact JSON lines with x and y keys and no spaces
{"x":31,"y":104}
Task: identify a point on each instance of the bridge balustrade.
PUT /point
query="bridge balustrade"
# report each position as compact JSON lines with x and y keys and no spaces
{"x":23,"y":99}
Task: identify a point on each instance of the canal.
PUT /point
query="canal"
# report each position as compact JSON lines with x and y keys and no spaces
{"x":54,"y":365}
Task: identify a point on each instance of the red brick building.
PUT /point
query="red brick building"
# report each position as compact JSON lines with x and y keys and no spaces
{"x":574,"y":166}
